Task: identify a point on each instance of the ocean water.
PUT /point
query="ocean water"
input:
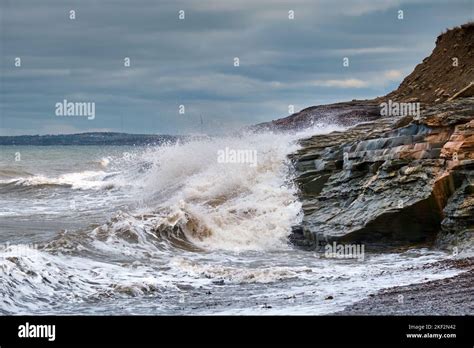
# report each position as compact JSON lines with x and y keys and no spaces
{"x":170,"y":230}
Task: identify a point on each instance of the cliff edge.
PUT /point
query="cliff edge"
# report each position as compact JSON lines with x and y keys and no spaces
{"x":446,"y":74}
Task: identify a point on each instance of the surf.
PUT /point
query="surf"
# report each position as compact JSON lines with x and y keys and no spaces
{"x":193,"y":225}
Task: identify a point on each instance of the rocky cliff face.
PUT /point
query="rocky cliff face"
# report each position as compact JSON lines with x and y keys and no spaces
{"x":395,"y":180}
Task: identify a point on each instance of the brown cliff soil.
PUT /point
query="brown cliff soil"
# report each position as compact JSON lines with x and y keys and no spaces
{"x":447,"y":71}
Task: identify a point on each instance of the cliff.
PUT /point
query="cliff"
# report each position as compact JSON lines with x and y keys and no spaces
{"x":445,"y":73}
{"x":399,"y":179}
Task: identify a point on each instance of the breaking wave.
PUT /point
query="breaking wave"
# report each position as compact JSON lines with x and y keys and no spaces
{"x":85,"y":180}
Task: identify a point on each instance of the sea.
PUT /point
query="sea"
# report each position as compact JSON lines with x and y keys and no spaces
{"x":170,"y":230}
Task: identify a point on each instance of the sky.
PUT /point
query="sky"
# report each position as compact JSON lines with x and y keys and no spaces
{"x":190,"y":62}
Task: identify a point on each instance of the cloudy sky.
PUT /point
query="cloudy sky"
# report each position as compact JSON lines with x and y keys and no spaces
{"x":190,"y":62}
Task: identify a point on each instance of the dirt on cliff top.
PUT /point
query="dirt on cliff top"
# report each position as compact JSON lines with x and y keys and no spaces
{"x":446,"y":72}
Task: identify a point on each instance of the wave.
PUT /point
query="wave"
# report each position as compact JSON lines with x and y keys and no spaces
{"x":35,"y":280}
{"x":85,"y":180}
{"x":198,"y":223}
{"x":13,"y":173}
{"x":225,"y":205}
{"x":196,"y":199}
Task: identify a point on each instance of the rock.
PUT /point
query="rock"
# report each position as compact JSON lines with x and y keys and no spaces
{"x":388,"y":182}
{"x":347,"y":113}
{"x":467,"y":91}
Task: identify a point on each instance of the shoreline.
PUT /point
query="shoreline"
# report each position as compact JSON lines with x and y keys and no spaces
{"x":448,"y":296}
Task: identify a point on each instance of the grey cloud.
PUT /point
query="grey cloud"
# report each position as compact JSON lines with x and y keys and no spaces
{"x":190,"y":62}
